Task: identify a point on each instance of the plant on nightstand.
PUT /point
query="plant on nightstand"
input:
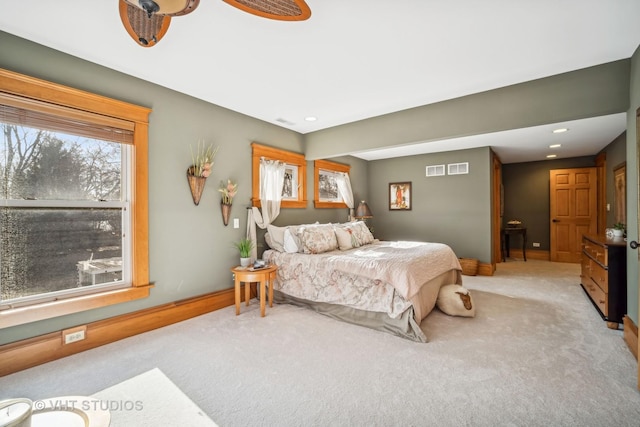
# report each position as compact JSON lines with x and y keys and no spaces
{"x":244,"y":246}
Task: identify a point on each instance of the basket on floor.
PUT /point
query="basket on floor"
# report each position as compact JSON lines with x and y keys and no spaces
{"x":469,"y":266}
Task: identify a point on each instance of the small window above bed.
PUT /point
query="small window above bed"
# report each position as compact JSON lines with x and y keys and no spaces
{"x":294,"y":189}
{"x":325,"y":187}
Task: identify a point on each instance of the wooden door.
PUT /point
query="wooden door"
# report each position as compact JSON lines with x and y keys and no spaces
{"x":573,"y":211}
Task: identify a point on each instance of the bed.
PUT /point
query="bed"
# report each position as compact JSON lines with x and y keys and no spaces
{"x":341,"y":271}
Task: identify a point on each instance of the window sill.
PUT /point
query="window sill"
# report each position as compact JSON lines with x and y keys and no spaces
{"x":33,"y":313}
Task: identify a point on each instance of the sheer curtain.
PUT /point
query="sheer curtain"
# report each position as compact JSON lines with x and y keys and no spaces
{"x":344,"y":189}
{"x":271,"y":182}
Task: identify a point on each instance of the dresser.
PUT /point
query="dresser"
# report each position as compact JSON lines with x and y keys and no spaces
{"x":604,"y":276}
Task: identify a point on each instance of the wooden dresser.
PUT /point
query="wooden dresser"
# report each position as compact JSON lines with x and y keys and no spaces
{"x":604,"y":276}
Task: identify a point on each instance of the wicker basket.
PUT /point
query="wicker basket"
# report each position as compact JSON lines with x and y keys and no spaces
{"x":469,"y":266}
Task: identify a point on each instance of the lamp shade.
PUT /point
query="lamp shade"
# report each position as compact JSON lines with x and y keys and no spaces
{"x":363,"y":210}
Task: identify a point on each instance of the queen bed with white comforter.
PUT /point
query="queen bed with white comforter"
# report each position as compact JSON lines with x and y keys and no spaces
{"x":341,"y":271}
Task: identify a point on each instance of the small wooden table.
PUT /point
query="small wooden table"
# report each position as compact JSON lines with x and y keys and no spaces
{"x":262,"y":276}
{"x":506,"y":232}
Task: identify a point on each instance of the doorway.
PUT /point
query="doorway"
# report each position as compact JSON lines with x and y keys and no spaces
{"x":573,"y":211}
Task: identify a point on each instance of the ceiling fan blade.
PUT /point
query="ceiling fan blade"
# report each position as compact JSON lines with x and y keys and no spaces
{"x":283,"y":10}
{"x":166,"y":7}
{"x":144,"y":29}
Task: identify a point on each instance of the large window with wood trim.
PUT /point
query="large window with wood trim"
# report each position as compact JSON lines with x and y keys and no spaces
{"x":69,"y":220}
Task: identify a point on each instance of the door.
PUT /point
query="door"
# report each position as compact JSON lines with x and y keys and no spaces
{"x":573,"y":211}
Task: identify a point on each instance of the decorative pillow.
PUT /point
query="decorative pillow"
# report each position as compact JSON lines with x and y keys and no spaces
{"x":455,"y":300}
{"x":292,"y":243}
{"x":346,"y":239}
{"x":359,"y":234}
{"x":277,"y":237}
{"x":318,"y":239}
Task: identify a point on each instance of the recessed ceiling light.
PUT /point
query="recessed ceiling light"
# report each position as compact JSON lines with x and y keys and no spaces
{"x":311,"y":118}
{"x":555,"y":146}
{"x":561,"y":130}
{"x":551,"y":156}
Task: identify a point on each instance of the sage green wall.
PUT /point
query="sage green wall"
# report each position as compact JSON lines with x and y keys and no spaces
{"x":526,"y":196}
{"x":590,"y":92}
{"x":632,"y":188}
{"x":452,"y":209}
{"x":190,"y":250}
{"x":616,"y":154}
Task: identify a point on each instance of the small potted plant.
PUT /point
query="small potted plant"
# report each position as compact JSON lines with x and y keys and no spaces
{"x":618,"y":229}
{"x":244,"y":246}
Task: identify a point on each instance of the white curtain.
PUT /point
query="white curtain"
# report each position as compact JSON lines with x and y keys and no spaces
{"x":271,"y":182}
{"x":344,"y":189}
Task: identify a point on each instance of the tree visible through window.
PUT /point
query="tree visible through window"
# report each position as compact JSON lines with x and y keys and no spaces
{"x":61,"y":223}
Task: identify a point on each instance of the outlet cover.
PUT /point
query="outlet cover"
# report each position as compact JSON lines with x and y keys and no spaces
{"x":74,"y":334}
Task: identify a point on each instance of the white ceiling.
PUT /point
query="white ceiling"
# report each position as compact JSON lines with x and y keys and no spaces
{"x":356,"y":59}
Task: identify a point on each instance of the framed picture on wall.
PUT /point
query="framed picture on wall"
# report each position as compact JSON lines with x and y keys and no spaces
{"x":400,"y":196}
{"x":620,"y":194}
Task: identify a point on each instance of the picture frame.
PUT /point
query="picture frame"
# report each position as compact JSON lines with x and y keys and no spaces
{"x":620,"y":193}
{"x":294,"y":189}
{"x":400,"y":196}
{"x":325,"y":186}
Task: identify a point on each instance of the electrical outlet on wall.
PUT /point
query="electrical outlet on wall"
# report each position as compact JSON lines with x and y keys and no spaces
{"x":536,"y":244}
{"x":74,"y":334}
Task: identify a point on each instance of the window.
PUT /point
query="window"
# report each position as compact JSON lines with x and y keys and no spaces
{"x":294,"y":190}
{"x":325,"y":188}
{"x":72,"y":236}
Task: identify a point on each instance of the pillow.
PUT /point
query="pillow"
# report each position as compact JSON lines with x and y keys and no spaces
{"x":292,"y":243}
{"x":362,"y":232}
{"x":455,"y":300}
{"x":346,"y":239}
{"x":317,"y":239}
{"x":277,"y":237}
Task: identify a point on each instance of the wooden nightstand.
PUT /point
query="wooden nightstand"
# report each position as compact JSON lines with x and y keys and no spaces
{"x":262,"y":276}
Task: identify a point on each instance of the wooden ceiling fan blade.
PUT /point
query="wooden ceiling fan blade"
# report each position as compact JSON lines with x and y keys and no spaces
{"x":145,"y":30}
{"x":283,"y":10}
{"x":166,"y":7}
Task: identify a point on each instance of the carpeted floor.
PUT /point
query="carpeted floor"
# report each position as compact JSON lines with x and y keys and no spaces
{"x":536,"y":354}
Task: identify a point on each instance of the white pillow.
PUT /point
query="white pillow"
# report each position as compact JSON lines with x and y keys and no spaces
{"x":346,"y":239}
{"x":291,"y":242}
{"x":277,"y":237}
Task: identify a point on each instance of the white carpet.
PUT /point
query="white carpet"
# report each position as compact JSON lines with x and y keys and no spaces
{"x":151,"y":399}
{"x":536,"y":354}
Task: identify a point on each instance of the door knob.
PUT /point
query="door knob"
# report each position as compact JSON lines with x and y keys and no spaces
{"x":555,"y":220}
{"x":634,"y":244}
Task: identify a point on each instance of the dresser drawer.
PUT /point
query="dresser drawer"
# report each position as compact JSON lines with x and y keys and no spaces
{"x":600,"y":275}
{"x":597,"y":252}
{"x":598,"y":296}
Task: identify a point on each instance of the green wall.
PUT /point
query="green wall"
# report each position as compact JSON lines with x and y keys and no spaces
{"x":632,"y":188}
{"x":190,"y":250}
{"x":590,"y":92}
{"x":452,"y":209}
{"x":526,"y":196}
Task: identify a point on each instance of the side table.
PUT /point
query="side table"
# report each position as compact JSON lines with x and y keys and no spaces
{"x":247,"y":275}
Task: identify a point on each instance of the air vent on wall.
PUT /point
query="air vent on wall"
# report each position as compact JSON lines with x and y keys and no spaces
{"x":435,"y":170}
{"x":458,"y":168}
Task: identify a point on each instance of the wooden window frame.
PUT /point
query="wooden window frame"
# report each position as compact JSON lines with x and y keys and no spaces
{"x":319,"y":165}
{"x":29,"y":88}
{"x":294,"y":159}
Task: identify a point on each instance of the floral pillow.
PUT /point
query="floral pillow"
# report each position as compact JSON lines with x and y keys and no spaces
{"x":353,"y":235}
{"x":317,"y":239}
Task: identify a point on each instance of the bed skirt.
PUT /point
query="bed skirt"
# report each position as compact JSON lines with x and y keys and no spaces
{"x":403,"y":326}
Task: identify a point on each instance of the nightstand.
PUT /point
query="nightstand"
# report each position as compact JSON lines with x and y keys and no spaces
{"x":247,"y":275}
